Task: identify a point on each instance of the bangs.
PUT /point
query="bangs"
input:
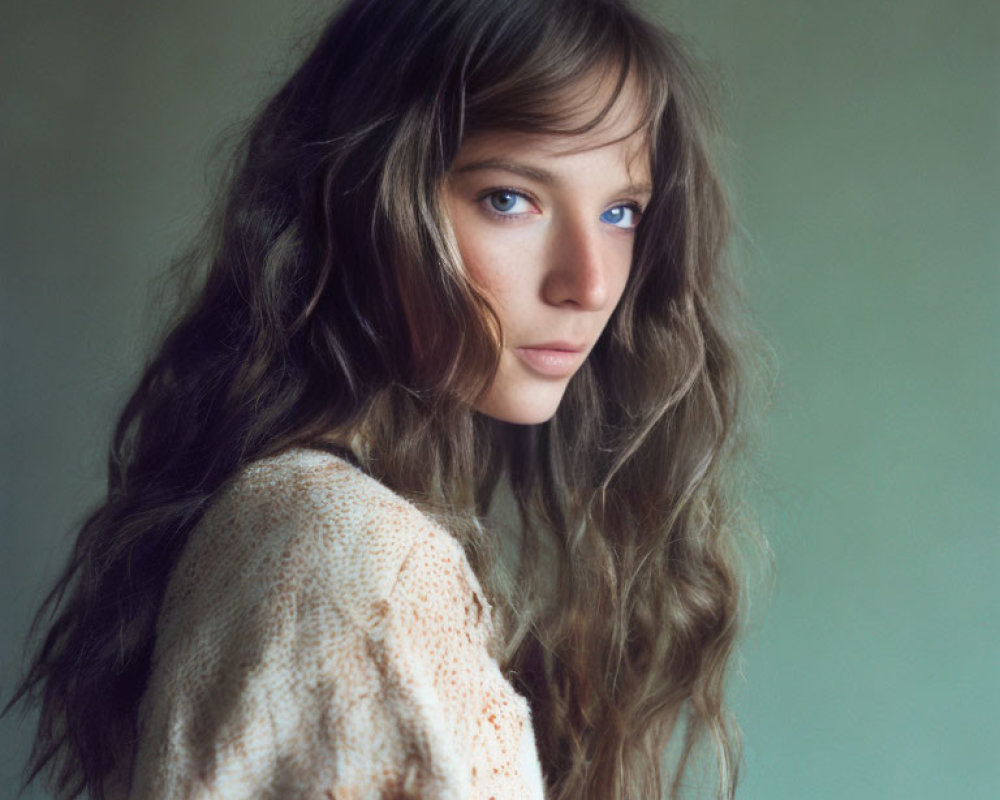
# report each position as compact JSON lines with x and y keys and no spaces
{"x":535,"y":78}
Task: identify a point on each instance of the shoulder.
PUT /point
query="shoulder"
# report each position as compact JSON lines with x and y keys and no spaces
{"x":320,"y":635}
{"x":305,"y":522}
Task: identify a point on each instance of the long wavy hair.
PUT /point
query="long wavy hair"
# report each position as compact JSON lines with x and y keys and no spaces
{"x":330,"y":305}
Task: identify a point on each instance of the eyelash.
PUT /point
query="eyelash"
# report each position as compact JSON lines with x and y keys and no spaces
{"x":484,"y":197}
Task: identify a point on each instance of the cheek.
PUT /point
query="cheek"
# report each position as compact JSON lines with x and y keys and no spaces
{"x":619,"y":267}
{"x":499,"y":262}
{"x":623,"y":275}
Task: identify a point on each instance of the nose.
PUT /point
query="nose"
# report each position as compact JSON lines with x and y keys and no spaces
{"x":577,"y":274}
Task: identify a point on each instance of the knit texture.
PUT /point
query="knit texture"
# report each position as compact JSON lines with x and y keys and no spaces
{"x":320,"y":637}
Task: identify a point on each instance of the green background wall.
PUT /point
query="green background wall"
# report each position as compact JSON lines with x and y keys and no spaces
{"x":865,"y":142}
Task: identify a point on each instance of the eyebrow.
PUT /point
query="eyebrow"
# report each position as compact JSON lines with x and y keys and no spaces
{"x":533,"y":173}
{"x":540,"y":175}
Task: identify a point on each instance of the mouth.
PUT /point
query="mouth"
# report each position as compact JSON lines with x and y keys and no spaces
{"x":552,"y":359}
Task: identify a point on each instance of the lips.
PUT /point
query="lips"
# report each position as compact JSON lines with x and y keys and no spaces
{"x":552,"y":359}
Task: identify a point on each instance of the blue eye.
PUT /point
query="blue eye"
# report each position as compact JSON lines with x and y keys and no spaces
{"x":621,"y":216}
{"x":508,"y":202}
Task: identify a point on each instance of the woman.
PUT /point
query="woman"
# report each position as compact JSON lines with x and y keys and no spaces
{"x":472,"y":250}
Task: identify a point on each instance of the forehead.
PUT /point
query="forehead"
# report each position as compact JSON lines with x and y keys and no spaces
{"x":566,"y":158}
{"x":627,"y":154}
{"x":594,"y":117}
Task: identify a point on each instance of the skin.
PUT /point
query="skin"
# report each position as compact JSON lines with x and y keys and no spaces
{"x":545,"y":225}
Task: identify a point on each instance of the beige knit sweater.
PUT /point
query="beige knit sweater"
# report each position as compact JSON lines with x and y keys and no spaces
{"x":322,"y":638}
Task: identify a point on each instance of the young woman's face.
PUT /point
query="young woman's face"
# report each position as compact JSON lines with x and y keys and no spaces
{"x":545,"y":225}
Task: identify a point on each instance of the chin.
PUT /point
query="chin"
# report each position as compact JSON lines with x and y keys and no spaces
{"x":527,"y":418}
{"x":527,"y":408}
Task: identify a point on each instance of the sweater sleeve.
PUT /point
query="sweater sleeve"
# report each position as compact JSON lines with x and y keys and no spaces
{"x":269,"y":686}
